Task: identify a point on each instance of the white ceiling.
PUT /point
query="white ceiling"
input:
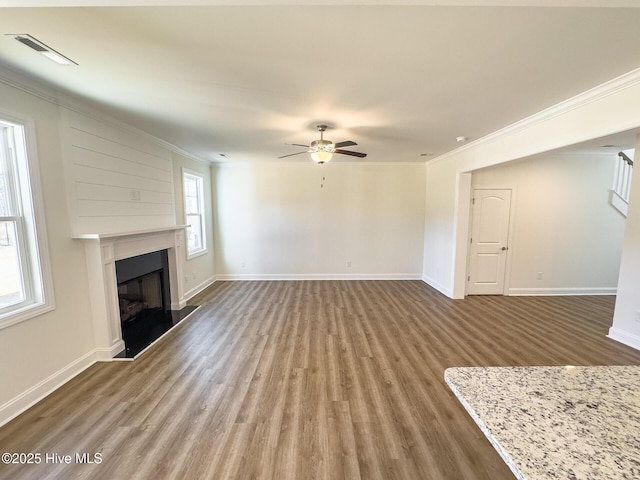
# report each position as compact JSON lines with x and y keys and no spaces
{"x":245,"y":80}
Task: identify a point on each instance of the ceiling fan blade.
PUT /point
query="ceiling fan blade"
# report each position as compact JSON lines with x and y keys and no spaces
{"x":347,"y":143}
{"x":353,"y":154}
{"x":297,"y":145}
{"x":292,"y":154}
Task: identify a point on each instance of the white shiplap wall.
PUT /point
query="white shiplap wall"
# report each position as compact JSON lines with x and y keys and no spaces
{"x":119,"y":180}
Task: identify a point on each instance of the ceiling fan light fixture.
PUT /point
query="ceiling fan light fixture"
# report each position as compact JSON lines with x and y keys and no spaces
{"x":322,"y":150}
{"x":321,"y":156}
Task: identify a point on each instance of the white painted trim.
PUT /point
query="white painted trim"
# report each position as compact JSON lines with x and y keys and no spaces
{"x":107,"y":354}
{"x":619,"y":203}
{"x":626,"y":338}
{"x":319,"y":276}
{"x":247,"y":163}
{"x":33,"y":395}
{"x":101,"y":253}
{"x":100,"y":236}
{"x":462,"y":213}
{"x":444,"y":3}
{"x":189,"y":294}
{"x":627,"y":80}
{"x":510,"y":233}
{"x":438,"y":286}
{"x":561,"y":291}
{"x":205,"y":249}
{"x":41,"y":256}
{"x":46,"y":387}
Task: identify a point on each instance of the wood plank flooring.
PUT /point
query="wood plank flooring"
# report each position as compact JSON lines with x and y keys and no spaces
{"x":307,"y":380}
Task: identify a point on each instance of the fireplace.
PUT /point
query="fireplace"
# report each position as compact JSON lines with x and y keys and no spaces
{"x":109,"y":278}
{"x":143,"y":298}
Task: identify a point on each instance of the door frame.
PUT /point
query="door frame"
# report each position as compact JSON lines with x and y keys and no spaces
{"x":510,"y":236}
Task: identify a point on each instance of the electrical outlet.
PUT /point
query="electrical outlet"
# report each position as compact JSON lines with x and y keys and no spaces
{"x":243,"y":264}
{"x":135,"y":195}
{"x":348,"y":263}
{"x":638,"y":316}
{"x":539,"y":276}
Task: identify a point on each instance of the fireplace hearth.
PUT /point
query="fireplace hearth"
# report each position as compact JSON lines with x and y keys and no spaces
{"x":144,"y":300}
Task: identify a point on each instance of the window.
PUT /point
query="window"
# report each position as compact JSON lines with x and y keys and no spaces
{"x":24,"y":267}
{"x":194,"y":213}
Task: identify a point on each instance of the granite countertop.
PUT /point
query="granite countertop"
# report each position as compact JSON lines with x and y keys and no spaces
{"x":557,"y":422}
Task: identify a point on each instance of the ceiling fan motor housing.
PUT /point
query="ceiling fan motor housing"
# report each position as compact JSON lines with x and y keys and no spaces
{"x":322,"y":145}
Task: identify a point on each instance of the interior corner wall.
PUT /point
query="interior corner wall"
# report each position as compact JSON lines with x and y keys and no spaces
{"x":626,"y":319}
{"x":609,"y":109}
{"x":440,"y":231}
{"x":299,"y":220}
{"x":199,"y":271}
{"x":565,"y":230}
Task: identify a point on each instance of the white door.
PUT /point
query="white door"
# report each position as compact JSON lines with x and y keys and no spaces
{"x":491,"y":211}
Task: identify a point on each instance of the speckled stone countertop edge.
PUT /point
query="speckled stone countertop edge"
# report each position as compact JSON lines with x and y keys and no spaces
{"x":510,"y":463}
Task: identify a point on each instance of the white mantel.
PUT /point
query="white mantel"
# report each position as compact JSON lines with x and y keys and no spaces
{"x":102,"y":251}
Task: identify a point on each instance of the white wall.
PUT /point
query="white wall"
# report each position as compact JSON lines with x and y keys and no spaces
{"x":602,"y":111}
{"x":118,"y":180}
{"x":439,"y":233}
{"x":302,"y":220}
{"x":38,"y":354}
{"x":626,"y":319}
{"x":564,"y":226}
{"x":198,"y":272}
{"x":89,"y":166}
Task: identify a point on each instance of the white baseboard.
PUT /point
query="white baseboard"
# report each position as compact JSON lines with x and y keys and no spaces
{"x":319,"y":276}
{"x":629,"y":339}
{"x":33,"y":395}
{"x":438,"y":286}
{"x":198,"y":288}
{"x":548,"y":292}
{"x":107,"y":354}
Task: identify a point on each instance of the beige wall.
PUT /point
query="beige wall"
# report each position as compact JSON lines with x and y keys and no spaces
{"x":564,"y":226}
{"x":608,"y":109}
{"x":198,"y":272}
{"x":41,"y":353}
{"x":41,"y":347}
{"x":302,"y":220}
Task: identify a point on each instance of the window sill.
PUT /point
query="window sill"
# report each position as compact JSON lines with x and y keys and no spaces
{"x":25,"y":313}
{"x":197,"y":253}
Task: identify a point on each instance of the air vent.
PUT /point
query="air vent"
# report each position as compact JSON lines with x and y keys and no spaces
{"x":31,"y":44}
{"x":43,"y":49}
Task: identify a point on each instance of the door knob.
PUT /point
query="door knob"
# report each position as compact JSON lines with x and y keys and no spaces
{"x":504,"y":248}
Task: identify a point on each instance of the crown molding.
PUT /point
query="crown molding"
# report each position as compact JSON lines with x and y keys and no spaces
{"x":250,"y":163}
{"x":427,"y":3}
{"x":623,"y":82}
{"x":49,"y":94}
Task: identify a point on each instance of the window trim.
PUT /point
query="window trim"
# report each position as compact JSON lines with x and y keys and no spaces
{"x":204,"y":250}
{"x":37,"y":245}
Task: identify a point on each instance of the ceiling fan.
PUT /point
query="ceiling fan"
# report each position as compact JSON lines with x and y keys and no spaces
{"x":322,"y":150}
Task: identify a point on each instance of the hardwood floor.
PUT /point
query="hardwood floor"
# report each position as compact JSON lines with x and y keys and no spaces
{"x":306,"y":380}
